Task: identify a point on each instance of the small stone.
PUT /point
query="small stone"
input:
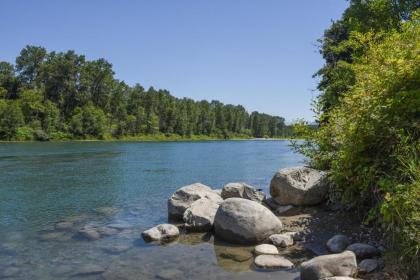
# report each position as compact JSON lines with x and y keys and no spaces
{"x":364,"y":251}
{"x":107,"y":231}
{"x":339,"y":278}
{"x":89,"y":269}
{"x":272,"y":261}
{"x":107,"y":211}
{"x":281,"y":240}
{"x":338,"y":243}
{"x":54,"y":236}
{"x":368,"y":265}
{"x":266,"y":249}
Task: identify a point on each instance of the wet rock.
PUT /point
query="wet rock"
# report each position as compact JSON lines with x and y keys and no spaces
{"x":89,"y":269}
{"x":338,"y":243}
{"x":237,"y":254}
{"x":266,"y":249}
{"x":272,"y":261}
{"x":244,"y":221}
{"x":182,"y":199}
{"x":242,"y":190}
{"x":200,"y":215}
{"x":162,"y":232}
{"x":299,"y":186}
{"x":368,"y":265}
{"x":364,"y":251}
{"x":65,"y":225}
{"x":89,"y":233}
{"x":343,"y":264}
{"x":170,"y":274}
{"x":281,"y":240}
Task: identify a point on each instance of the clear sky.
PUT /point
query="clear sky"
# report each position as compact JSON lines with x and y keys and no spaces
{"x":257,"y":53}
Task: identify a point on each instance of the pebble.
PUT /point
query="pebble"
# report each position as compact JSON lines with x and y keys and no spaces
{"x":266,"y":249}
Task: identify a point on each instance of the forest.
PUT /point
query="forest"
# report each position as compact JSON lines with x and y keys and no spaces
{"x":62,"y":95}
{"x":368,"y":111}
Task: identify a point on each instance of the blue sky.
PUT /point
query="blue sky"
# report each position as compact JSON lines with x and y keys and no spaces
{"x":259,"y":53}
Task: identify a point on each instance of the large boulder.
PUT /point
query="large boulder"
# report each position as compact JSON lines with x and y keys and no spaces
{"x":162,"y":233}
{"x":199,"y":216}
{"x":242,"y":190}
{"x":182,"y":199}
{"x":343,"y":264}
{"x":299,"y":186}
{"x":244,"y":221}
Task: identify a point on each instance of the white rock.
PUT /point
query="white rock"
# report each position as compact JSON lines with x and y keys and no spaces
{"x":266,"y":249}
{"x":282,"y":240}
{"x":242,"y":190}
{"x":200,"y":215}
{"x":343,"y":264}
{"x":162,"y":232}
{"x":182,"y":199}
{"x":299,"y":186}
{"x":244,"y":221}
{"x":272,"y":261}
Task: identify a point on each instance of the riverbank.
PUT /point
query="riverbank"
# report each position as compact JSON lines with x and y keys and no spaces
{"x":155,"y":138}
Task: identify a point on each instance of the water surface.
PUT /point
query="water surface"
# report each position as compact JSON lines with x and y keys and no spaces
{"x":123,"y":186}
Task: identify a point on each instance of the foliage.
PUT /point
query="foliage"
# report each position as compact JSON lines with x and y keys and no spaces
{"x":369,"y":122}
{"x":64,"y":96}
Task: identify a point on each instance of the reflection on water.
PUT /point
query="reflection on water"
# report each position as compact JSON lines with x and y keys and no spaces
{"x":75,"y":210}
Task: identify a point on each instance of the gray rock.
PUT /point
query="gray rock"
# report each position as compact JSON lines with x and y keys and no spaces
{"x":116,"y":249}
{"x":368,"y":265}
{"x":299,"y":186}
{"x":343,"y":264}
{"x":242,"y":190}
{"x":272,"y":261}
{"x":54,"y":236}
{"x":339,"y":278}
{"x":162,"y":232}
{"x":120,"y":225}
{"x":282,"y":240}
{"x":244,"y":221}
{"x":338,"y":243}
{"x":182,"y":199}
{"x":266,"y":249}
{"x":364,"y":251}
{"x":89,"y":233}
{"x":89,"y":269}
{"x":107,"y":231}
{"x":200,"y":215}
{"x":296,"y":236}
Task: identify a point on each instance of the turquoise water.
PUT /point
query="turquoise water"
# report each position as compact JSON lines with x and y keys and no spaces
{"x":123,"y":186}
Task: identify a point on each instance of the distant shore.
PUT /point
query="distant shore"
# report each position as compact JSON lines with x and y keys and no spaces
{"x":158,"y":138}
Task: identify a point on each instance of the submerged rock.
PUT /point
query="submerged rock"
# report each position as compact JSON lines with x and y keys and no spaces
{"x":343,"y":264}
{"x":182,"y":199}
{"x":89,"y":269}
{"x":242,"y":190}
{"x":299,"y":186}
{"x":88,"y":232}
{"x":282,"y":240}
{"x":64,"y":225}
{"x":107,"y":211}
{"x":364,"y":251}
{"x":338,"y":243}
{"x":170,"y":274}
{"x":272,"y":261}
{"x":162,"y":232}
{"x":200,"y":215}
{"x":54,"y":236}
{"x":266,"y":249}
{"x":244,"y":221}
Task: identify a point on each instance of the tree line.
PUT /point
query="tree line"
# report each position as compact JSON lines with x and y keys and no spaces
{"x":62,"y":95}
{"x":368,"y":134}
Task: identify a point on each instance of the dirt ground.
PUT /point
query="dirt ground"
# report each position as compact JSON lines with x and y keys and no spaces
{"x":318,"y":224}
